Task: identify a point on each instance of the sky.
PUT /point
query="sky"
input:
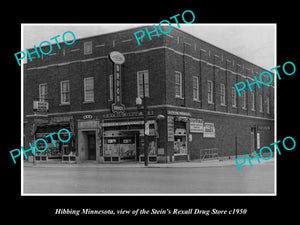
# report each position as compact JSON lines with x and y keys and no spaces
{"x":253,"y":42}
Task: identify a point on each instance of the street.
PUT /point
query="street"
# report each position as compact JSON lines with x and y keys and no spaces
{"x":258,"y":179}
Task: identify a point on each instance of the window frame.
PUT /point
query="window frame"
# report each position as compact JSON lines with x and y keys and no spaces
{"x":210,"y":92}
{"x":85,"y":89}
{"x":178,"y":84}
{"x":68,"y":93}
{"x":43,"y":97}
{"x":196,"y":89}
{"x":140,"y":85}
{"x":222,"y":95}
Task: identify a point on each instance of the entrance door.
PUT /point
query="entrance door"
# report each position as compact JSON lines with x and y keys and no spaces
{"x":91,"y":147}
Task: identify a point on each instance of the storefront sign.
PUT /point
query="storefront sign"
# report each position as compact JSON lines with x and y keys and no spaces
{"x":209,"y":130}
{"x":196,"y":125}
{"x":125,"y":123}
{"x":117,"y":58}
{"x":127,"y":114}
{"x":177,"y":113}
{"x":170,"y":128}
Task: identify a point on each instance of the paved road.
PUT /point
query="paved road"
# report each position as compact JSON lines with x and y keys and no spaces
{"x":106,"y":180}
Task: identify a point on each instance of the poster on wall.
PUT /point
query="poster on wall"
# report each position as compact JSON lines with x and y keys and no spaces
{"x":209,"y":130}
{"x":170,"y":128}
{"x":196,"y":125}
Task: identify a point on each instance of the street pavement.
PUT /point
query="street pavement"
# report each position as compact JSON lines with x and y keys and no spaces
{"x":208,"y":177}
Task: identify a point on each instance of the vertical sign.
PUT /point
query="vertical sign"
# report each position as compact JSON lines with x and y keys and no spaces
{"x":118,"y":59}
{"x":170,"y":128}
{"x":209,"y":130}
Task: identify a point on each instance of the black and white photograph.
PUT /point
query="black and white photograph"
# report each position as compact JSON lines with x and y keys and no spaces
{"x":148,"y":113}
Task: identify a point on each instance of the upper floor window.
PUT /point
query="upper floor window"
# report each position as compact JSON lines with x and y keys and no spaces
{"x":222,"y":94}
{"x":143,"y":76}
{"x":268,"y":104}
{"x":233,"y":96}
{"x":43,"y":92}
{"x":260,"y":103}
{"x":178,"y":84}
{"x":210,"y":91}
{"x":65,"y":92}
{"x":88,"y":48}
{"x":89,"y":89}
{"x":244,"y":99}
{"x":253,"y":101}
{"x":195,"y":88}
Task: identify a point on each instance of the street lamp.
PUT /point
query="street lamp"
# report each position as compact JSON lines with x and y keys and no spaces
{"x":139,"y":102}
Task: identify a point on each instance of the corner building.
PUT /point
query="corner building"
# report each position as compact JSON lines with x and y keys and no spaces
{"x":187,"y":80}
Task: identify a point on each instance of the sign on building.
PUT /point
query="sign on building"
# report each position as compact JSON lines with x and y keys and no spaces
{"x":118,"y":59}
{"x":196,"y":125}
{"x":209,"y":130}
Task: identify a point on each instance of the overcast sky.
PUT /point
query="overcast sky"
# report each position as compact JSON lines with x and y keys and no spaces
{"x":253,"y":42}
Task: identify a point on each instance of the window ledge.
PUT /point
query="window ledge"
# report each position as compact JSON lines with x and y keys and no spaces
{"x":87,"y":102}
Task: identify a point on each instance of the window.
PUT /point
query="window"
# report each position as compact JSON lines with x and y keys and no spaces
{"x":65,"y":92}
{"x":140,"y":76}
{"x":268,"y":104}
{"x":244,"y":100}
{"x":43,"y":91}
{"x":233,"y":100}
{"x":195,"y":88}
{"x":178,"y":84}
{"x":87,"y":48}
{"x":253,"y":101}
{"x":260,"y":103}
{"x":89,"y":89}
{"x":223,"y":94}
{"x":209,"y":91}
{"x":111,"y":87}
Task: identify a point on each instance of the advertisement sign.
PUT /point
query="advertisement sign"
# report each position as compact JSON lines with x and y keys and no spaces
{"x":40,"y":106}
{"x":117,"y":58}
{"x":209,"y":130}
{"x":196,"y":125}
{"x":170,"y":128}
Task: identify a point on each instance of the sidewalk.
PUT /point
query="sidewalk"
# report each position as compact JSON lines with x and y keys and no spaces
{"x":190,"y":164}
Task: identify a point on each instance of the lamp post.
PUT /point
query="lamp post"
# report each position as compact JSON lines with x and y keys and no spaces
{"x":139,"y":103}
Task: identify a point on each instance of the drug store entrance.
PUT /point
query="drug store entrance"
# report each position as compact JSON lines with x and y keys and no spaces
{"x":126,"y":143}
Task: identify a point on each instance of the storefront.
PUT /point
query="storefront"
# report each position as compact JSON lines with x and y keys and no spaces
{"x":57,"y":151}
{"x":124,"y":140}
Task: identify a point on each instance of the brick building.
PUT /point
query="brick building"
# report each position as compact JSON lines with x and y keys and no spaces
{"x":188,"y":80}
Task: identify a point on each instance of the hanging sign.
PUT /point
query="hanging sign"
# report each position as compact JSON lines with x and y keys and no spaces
{"x":117,"y":58}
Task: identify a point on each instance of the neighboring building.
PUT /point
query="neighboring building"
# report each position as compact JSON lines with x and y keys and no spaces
{"x":189,"y":81}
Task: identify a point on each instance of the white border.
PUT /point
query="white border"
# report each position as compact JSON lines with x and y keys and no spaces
{"x":154,"y":194}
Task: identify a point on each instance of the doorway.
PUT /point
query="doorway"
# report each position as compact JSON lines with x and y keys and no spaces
{"x":91,"y":137}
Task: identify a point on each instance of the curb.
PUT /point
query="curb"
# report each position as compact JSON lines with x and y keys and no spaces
{"x":191,"y":164}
